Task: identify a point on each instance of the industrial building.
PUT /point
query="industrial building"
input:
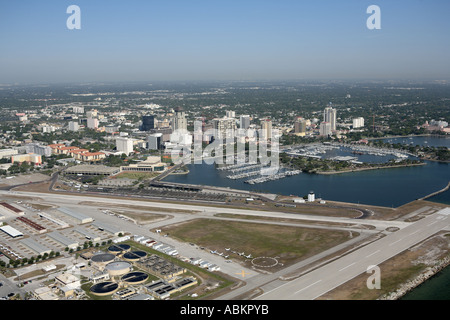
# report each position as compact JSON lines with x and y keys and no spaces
{"x":32,"y":224}
{"x":160,"y":267}
{"x":11,"y":209}
{"x":69,"y":243}
{"x":40,"y":249}
{"x":163,"y":290}
{"x":80,"y":218}
{"x":12,"y":232}
{"x":92,"y":170}
{"x":88,"y":235}
{"x":49,"y":217}
{"x":108,"y":228}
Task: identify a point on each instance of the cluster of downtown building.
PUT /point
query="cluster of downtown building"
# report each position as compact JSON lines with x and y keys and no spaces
{"x":161,"y":130}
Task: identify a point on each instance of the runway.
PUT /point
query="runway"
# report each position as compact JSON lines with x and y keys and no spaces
{"x":54,"y":197}
{"x":334,"y":274}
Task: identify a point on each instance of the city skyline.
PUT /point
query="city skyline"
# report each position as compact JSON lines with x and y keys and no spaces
{"x":223,"y":41}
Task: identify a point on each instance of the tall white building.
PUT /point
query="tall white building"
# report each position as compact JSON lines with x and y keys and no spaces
{"x":358,"y":122}
{"x":124,"y":145}
{"x":73,"y":126}
{"x":38,"y":149}
{"x":325,"y":129}
{"x":92,"y":113}
{"x":244,"y":121}
{"x":48,"y":129}
{"x":92,"y":123}
{"x":224,"y":127}
{"x":231,"y":114}
{"x":266,"y":126}
{"x":78,"y":109}
{"x":329,"y":115}
{"x":179,"y":121}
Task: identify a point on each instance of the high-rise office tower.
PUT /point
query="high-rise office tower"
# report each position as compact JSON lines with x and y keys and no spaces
{"x":73,"y":126}
{"x":148,"y":123}
{"x":358,"y":122}
{"x":124,"y":145}
{"x":179,"y":120}
{"x":266,"y":126}
{"x":92,"y":123}
{"x":244,"y":121}
{"x":230,"y":114}
{"x":325,"y":129}
{"x":154,"y":141}
{"x":329,"y":115}
{"x":224,"y":127}
{"x":300,"y":126}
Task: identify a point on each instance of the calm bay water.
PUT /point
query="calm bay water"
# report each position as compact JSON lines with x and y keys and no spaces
{"x":436,"y":288}
{"x":384,"y":187}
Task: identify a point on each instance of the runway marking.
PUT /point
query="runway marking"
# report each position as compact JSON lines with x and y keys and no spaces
{"x":347,"y":266}
{"x":432,"y":223}
{"x":391,"y":244}
{"x":414,"y":232}
{"x":307,"y":287}
{"x":243,"y":273}
{"x":373,"y":253}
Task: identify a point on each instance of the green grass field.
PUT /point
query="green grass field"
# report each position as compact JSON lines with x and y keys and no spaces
{"x":289,"y":244}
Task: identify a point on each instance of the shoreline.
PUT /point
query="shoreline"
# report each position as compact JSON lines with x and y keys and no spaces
{"x":436,"y":193}
{"x":418,"y":280}
{"x":409,"y":136}
{"x":370,"y":168}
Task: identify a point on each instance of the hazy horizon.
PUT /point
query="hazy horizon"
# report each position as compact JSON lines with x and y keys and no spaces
{"x":248,"y":40}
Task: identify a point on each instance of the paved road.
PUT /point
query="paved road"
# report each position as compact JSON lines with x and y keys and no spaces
{"x":332,"y":275}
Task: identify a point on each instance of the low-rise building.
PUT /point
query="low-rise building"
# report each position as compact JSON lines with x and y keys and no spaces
{"x":151,"y":164}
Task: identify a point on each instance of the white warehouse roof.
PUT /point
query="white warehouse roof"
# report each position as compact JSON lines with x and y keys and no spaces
{"x":11,"y":231}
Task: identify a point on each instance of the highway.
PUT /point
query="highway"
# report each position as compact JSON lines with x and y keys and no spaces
{"x":336,"y":273}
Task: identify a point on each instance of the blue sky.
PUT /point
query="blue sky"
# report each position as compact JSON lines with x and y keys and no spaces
{"x":147,"y":40}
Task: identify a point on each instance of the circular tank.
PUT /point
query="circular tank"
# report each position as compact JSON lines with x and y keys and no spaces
{"x":118,"y":268}
{"x":102,"y":259}
{"x":134,"y":255}
{"x":104,"y":288}
{"x":135,"y":277}
{"x":118,"y":248}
